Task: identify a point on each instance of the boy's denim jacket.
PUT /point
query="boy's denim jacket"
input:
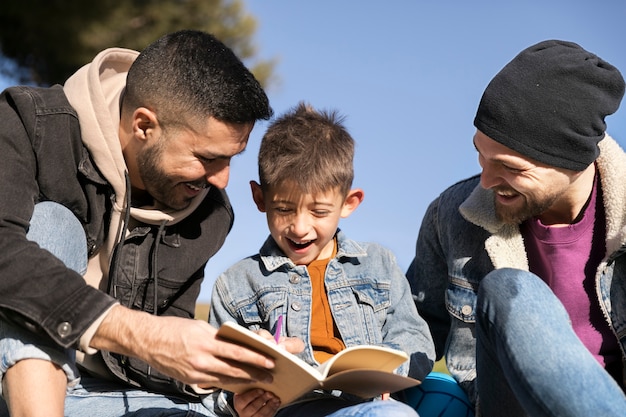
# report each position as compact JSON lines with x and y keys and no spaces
{"x":460,"y":241}
{"x":369,"y":297}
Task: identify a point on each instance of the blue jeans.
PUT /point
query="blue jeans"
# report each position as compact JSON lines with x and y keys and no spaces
{"x":529,"y":360}
{"x":107,"y":399}
{"x":57,"y":230}
{"x":341,"y":408}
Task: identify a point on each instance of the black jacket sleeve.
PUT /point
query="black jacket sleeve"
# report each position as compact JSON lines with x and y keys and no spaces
{"x":41,"y":154}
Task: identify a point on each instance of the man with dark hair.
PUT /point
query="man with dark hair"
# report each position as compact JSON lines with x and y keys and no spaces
{"x":520,"y":272}
{"x":111,"y":202}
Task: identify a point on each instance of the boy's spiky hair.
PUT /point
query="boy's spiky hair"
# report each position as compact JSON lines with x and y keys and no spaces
{"x":311,"y":148}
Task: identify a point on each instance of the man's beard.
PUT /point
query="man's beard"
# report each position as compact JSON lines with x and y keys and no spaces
{"x":160,"y":187}
{"x":530,"y":208}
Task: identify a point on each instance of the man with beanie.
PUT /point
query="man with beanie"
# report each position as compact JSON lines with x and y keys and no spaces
{"x":521,"y":271}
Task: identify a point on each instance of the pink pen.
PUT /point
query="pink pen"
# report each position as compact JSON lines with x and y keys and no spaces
{"x":279,"y":328}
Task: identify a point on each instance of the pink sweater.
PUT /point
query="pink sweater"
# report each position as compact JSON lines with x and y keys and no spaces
{"x":567,"y":258}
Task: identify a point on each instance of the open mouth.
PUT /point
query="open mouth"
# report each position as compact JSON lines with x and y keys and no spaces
{"x":300,"y":245}
{"x":506,"y":195}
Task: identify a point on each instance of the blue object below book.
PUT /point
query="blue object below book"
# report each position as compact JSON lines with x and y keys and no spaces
{"x":437,"y":396}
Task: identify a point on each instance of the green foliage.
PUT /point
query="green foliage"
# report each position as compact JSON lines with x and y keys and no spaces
{"x":50,"y":39}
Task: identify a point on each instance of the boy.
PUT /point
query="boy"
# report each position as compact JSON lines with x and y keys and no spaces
{"x":331,"y":291}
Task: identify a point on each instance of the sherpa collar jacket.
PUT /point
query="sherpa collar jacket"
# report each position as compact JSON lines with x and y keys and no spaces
{"x":460,"y":241}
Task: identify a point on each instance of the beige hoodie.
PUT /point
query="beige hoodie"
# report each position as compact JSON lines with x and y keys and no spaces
{"x":94,"y":91}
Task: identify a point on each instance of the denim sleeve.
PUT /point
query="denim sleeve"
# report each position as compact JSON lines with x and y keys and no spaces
{"x":37,"y":291}
{"x":428,"y":279}
{"x":404,"y":329}
{"x":219,"y":313}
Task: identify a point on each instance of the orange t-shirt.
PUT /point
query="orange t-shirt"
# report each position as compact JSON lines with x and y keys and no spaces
{"x":325,"y":337}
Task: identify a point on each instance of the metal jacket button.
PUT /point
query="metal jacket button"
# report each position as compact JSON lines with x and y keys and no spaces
{"x":466,"y":310}
{"x":64,"y":329}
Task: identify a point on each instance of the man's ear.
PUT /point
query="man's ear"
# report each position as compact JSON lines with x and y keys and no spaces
{"x":257,"y":196}
{"x":352,"y":201}
{"x":145,"y":122}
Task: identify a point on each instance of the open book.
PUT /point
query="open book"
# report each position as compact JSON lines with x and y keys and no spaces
{"x":365,"y":371}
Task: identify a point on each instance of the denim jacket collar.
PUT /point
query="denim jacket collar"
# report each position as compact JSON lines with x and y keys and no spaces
{"x":273,"y":257}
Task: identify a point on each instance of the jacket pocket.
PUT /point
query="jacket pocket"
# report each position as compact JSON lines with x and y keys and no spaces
{"x":375,"y":297}
{"x":373,"y":302}
{"x":461,"y":300}
{"x":264,"y":308}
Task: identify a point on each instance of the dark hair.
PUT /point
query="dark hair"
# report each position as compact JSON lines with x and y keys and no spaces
{"x":188,"y":75}
{"x":311,"y":148}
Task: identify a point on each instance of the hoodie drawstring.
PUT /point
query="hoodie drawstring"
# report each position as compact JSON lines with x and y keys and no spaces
{"x":154,"y":265}
{"x":119,"y":237}
{"x":119,"y":241}
{"x":154,"y":275}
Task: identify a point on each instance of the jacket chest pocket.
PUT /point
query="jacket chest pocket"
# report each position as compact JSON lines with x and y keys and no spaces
{"x":461,"y":300}
{"x":142,"y":281}
{"x":264,"y":308}
{"x":361,"y":311}
{"x":373,"y":297}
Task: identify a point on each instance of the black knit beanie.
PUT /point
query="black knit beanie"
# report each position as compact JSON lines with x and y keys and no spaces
{"x":549,"y":104}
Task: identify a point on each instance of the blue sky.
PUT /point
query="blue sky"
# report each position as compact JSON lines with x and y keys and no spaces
{"x":408,"y":76}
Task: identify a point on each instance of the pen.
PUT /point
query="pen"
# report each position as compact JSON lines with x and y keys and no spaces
{"x":279,"y":328}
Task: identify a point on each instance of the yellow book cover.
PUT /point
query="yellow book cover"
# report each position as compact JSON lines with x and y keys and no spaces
{"x":365,"y":371}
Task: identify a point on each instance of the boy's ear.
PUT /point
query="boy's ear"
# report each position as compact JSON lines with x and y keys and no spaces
{"x":352,"y":201}
{"x":257,"y":196}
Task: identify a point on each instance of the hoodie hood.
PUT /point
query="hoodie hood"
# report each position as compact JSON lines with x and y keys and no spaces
{"x":95,"y":92}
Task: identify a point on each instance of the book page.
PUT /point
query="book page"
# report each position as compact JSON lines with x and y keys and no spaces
{"x":366,"y":371}
{"x":292,"y":376}
{"x":368,"y":383}
{"x":364,"y":357}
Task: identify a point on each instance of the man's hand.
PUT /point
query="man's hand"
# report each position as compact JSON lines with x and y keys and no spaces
{"x":259,"y":403}
{"x":185,"y":349}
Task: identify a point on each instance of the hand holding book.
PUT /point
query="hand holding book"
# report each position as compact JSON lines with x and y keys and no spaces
{"x":365,"y":371}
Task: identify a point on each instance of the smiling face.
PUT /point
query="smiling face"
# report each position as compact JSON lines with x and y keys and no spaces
{"x":174,"y":165}
{"x":304,"y":225}
{"x":524,"y":188}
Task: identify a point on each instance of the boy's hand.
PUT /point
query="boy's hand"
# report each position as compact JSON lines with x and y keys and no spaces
{"x":290,"y":344}
{"x":256,"y":403}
